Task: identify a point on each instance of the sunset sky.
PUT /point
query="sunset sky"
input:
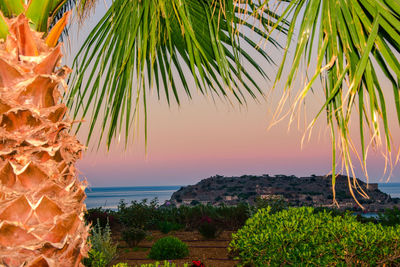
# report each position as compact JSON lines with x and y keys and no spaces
{"x":202,"y":138}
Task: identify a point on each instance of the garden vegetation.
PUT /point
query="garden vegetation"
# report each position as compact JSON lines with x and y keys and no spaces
{"x":302,"y":237}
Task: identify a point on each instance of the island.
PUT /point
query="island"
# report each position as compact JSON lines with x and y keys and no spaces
{"x":313,"y":191}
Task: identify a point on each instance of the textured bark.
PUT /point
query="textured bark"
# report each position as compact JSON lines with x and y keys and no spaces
{"x":41,"y":199}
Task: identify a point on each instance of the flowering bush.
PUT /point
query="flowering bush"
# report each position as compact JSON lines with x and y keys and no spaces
{"x":197,"y":264}
{"x":208,"y":228}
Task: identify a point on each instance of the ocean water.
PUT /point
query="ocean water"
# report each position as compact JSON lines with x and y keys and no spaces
{"x":393,"y":189}
{"x":109,"y":197}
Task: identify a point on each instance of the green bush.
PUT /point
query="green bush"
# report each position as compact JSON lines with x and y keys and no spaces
{"x":95,"y":259}
{"x":148,"y":215}
{"x":166,"y":226}
{"x":101,"y":242}
{"x":132,"y":236}
{"x":209,"y":230}
{"x":299,"y":236}
{"x":276,"y":204}
{"x":144,"y":215}
{"x":390,"y":217}
{"x":168,"y":248}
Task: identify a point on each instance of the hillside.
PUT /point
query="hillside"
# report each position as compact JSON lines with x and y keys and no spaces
{"x":304,"y":191}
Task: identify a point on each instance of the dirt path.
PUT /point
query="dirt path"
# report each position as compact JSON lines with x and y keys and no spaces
{"x":213,"y":253}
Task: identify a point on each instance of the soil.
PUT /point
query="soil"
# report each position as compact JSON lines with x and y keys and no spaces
{"x":211,"y":252}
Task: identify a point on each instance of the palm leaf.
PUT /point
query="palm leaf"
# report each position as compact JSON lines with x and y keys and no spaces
{"x":3,"y":28}
{"x":11,"y":7}
{"x":356,"y":38}
{"x":139,"y":44}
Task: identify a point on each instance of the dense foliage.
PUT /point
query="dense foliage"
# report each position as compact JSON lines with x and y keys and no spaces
{"x":208,"y":229}
{"x":139,"y":214}
{"x":301,"y":236}
{"x":95,"y":259}
{"x":390,"y":217}
{"x":132,"y":236}
{"x":166,"y":226}
{"x":103,"y":250}
{"x":150,"y":216}
{"x":168,"y":248}
{"x":100,"y":216}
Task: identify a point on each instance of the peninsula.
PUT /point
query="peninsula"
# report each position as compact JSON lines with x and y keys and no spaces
{"x":304,"y":191}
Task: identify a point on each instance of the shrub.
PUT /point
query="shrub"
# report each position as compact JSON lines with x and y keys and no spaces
{"x":276,"y":204}
{"x":132,"y":236}
{"x":168,"y":248}
{"x":209,"y":230}
{"x":100,"y":240}
{"x":142,"y":214}
{"x":101,"y":216}
{"x":95,"y":259}
{"x":121,"y":264}
{"x":166,"y":226}
{"x":390,"y":217}
{"x":301,"y":236}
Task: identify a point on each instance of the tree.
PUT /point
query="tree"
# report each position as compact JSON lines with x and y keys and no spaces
{"x":41,"y":199}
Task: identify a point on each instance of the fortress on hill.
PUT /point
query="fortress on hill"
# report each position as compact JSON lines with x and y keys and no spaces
{"x":304,"y":191}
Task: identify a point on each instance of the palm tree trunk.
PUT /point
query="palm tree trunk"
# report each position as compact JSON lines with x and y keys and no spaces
{"x":41,"y":199}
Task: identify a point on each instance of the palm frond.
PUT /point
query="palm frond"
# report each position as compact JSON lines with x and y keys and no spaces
{"x":164,"y":44}
{"x":83,"y":9}
{"x":59,"y":8}
{"x":356,"y":40}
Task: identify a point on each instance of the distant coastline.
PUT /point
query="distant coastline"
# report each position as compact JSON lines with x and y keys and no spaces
{"x":109,"y":196}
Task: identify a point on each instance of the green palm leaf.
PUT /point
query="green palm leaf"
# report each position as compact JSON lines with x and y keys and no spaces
{"x":356,"y":41}
{"x":163,"y":43}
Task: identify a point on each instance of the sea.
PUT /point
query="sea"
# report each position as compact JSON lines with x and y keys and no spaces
{"x":109,"y":197}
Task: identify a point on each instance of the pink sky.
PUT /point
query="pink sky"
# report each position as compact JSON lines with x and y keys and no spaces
{"x":198,"y":140}
{"x":201,"y":139}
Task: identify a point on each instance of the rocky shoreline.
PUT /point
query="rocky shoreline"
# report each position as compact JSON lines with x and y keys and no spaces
{"x":313,"y":191}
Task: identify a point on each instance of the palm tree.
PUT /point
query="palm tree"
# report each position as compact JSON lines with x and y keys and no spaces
{"x":41,"y":203}
{"x":41,"y":199}
{"x":138,"y":44}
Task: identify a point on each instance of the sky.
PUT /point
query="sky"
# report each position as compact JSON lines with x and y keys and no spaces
{"x":202,"y":138}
